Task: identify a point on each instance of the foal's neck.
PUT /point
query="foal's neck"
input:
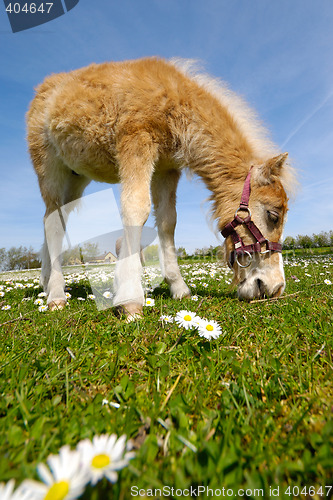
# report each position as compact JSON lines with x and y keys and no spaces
{"x":218,"y":151}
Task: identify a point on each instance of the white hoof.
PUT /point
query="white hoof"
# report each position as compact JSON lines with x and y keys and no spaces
{"x":133,"y":311}
{"x":179,"y":293}
{"x":57,"y":304}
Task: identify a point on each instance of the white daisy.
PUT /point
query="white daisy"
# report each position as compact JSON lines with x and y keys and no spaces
{"x":42,"y":308}
{"x":327,"y":282}
{"x":209,"y":329}
{"x":187,"y":319}
{"x":7,"y":492}
{"x":6,"y":308}
{"x":39,"y":302}
{"x":103,"y":456}
{"x":91,"y":297}
{"x":42,"y":294}
{"x":68,"y":295}
{"x":195,"y":298}
{"x":107,"y":295}
{"x":66,"y":481}
{"x":2,"y":294}
{"x":149,"y":302}
{"x":166,"y":319}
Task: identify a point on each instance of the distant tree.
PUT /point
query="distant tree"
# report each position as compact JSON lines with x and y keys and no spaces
{"x":71,"y":256}
{"x":330,"y":238}
{"x":289,"y":243}
{"x":304,"y":241}
{"x":321,"y":240}
{"x":89,"y":251}
{"x":200,"y":251}
{"x":22,"y":258}
{"x":14,"y":258}
{"x":151,"y":253}
{"x":3,"y":259}
{"x":213,"y":251}
{"x":30,"y":259}
{"x":181,"y":253}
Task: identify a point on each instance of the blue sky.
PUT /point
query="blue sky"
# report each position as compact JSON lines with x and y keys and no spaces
{"x":277,"y":55}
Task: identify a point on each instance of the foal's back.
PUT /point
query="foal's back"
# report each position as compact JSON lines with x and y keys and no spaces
{"x":85,"y":117}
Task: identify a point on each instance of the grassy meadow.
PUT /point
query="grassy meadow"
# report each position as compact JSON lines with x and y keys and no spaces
{"x":245,"y":415}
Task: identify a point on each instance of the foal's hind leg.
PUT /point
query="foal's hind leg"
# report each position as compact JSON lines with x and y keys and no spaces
{"x":58,"y":188}
{"x":164,"y":186}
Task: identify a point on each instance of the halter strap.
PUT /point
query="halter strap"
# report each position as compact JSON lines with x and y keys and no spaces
{"x":230,"y":230}
{"x":246,"y":191}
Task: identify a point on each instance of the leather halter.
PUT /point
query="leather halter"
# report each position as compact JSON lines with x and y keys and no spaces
{"x":230,"y":230}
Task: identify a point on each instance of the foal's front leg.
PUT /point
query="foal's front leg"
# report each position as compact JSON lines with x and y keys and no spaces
{"x":129,"y":297}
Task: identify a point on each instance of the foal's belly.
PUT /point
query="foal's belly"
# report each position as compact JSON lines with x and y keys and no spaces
{"x":100,"y":172}
{"x":87,"y":158}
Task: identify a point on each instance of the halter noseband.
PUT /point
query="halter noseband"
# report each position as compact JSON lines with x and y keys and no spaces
{"x":230,"y":230}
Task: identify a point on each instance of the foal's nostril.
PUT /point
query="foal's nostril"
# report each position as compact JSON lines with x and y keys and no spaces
{"x":261,"y":287}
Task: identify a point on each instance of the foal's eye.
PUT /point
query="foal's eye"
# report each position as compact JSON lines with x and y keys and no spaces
{"x":273,"y":216}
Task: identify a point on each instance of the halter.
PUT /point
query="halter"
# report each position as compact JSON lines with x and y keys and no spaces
{"x":230,"y":230}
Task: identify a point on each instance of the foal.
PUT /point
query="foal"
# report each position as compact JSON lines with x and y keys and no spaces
{"x":140,"y":123}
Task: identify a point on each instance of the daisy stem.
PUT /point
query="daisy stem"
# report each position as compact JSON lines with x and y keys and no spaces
{"x":170,"y":392}
{"x":67,"y":385}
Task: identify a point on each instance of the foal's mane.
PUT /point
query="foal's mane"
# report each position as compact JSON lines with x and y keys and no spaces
{"x":246,"y":118}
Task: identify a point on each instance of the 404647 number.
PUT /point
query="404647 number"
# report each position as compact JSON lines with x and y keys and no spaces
{"x":310,"y":491}
{"x":29,"y":8}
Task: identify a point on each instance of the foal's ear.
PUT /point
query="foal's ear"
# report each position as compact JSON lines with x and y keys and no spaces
{"x":272,"y":168}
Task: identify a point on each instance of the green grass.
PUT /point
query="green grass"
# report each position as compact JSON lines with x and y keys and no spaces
{"x":250,"y":410}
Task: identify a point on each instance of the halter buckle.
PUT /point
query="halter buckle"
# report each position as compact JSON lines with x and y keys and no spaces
{"x":243,"y":209}
{"x":244,"y":252}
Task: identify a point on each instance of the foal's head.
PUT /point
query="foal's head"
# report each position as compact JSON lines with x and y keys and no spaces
{"x":258,"y":267}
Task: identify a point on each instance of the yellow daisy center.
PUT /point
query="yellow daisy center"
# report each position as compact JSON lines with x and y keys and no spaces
{"x":210,"y":328}
{"x":187,"y":317}
{"x":100,"y":461}
{"x":58,"y":491}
